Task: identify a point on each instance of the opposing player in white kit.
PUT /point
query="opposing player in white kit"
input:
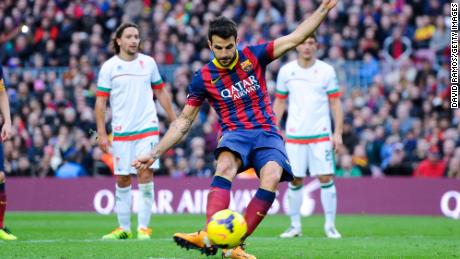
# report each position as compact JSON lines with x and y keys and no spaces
{"x":130,"y":79}
{"x":312,"y":89}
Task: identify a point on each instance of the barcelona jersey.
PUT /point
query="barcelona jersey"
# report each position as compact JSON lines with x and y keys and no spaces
{"x":238,"y":92}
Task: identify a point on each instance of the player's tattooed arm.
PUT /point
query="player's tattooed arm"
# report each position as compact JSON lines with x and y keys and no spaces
{"x":178,"y":129}
{"x":183,"y":123}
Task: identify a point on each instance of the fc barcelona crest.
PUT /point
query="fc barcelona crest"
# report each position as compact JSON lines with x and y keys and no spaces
{"x":246,"y":65}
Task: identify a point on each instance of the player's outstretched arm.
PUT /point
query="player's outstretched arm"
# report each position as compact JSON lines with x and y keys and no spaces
{"x":301,"y":33}
{"x":176,"y":131}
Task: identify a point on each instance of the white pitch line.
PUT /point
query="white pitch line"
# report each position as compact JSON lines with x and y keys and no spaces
{"x":87,"y":240}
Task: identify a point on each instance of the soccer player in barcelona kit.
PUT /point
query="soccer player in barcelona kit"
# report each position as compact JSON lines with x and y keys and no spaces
{"x":130,"y":79}
{"x":312,"y":88}
{"x":5,"y":234}
{"x":234,"y":84}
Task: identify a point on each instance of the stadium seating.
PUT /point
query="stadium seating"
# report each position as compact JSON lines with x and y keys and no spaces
{"x":392,"y":60}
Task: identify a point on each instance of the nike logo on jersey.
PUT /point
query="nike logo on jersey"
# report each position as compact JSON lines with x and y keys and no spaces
{"x":215,"y":80}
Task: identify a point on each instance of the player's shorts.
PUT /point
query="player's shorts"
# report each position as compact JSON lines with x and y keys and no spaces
{"x":256,"y":148}
{"x":124,"y":153}
{"x":318,"y":158}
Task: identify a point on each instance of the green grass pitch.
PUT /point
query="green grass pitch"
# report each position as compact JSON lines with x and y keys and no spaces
{"x":77,"y":235}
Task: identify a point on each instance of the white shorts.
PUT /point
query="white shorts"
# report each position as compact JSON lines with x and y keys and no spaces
{"x":317,"y":157}
{"x":124,"y":153}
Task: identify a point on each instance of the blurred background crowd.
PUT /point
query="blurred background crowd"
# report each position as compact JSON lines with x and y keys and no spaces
{"x":392,"y":58}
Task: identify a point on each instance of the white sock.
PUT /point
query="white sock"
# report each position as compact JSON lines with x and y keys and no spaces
{"x":329,"y":201}
{"x":145,"y":204}
{"x":295,"y":198}
{"x":123,"y":201}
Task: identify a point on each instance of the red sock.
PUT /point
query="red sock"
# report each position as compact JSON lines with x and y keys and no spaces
{"x":2,"y":203}
{"x":218,"y":199}
{"x":218,"y":196}
{"x":258,"y":208}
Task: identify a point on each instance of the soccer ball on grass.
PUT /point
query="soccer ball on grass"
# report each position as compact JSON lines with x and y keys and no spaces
{"x":226,"y":228}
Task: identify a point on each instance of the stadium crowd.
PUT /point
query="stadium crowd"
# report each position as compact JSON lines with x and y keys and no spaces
{"x":392,"y":58}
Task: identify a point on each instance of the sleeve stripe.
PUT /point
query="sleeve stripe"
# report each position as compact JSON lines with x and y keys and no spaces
{"x":157,"y":82}
{"x":281,"y":92}
{"x":333,"y":91}
{"x":158,"y":86}
{"x":279,"y":96}
{"x":334,"y":95}
{"x":194,"y":102}
{"x":103,"y":89}
{"x":103,"y":94}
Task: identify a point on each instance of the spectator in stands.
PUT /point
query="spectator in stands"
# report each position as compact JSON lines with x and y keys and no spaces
{"x":347,"y":168}
{"x":398,"y":165}
{"x":453,"y":171}
{"x":441,"y":36}
{"x":51,"y":49}
{"x":70,"y":168}
{"x":432,"y":166}
{"x":397,"y":47}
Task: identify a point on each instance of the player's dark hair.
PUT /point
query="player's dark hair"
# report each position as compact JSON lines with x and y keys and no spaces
{"x":118,"y":34}
{"x":313,"y":36}
{"x":223,"y":27}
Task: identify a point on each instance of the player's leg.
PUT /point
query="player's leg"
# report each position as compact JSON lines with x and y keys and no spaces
{"x":146,"y":188}
{"x":145,"y":202}
{"x":123,"y":195}
{"x":270,"y":176}
{"x":218,"y":199}
{"x":5,"y":234}
{"x":219,"y":193}
{"x":267,"y":163}
{"x":231,"y":155}
{"x":323,"y":167}
{"x":2,"y":198}
{"x":297,"y":156}
{"x":329,"y":202}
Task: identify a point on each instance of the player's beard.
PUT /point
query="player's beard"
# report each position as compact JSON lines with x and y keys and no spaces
{"x":227,"y":60}
{"x":132,"y":51}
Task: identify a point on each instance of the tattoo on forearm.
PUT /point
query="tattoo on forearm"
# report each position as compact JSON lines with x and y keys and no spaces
{"x":188,"y":123}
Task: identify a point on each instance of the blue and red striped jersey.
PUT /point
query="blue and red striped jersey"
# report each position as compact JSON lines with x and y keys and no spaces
{"x":238,"y":92}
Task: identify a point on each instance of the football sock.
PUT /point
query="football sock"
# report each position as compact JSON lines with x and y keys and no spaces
{"x":258,"y":208}
{"x":295,"y":199}
{"x":123,"y":202}
{"x":2,"y":203}
{"x":218,"y":196}
{"x":145,"y":200}
{"x":329,"y":201}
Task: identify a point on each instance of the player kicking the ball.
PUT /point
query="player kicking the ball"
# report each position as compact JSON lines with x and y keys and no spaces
{"x":234,"y":84}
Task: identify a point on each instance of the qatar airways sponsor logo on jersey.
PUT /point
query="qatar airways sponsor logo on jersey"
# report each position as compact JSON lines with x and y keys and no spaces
{"x":241,"y":89}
